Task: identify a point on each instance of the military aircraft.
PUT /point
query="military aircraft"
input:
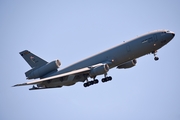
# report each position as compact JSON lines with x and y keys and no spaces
{"x":120,"y":56}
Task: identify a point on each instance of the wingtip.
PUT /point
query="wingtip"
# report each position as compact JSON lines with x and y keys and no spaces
{"x":19,"y":84}
{"x":14,"y":86}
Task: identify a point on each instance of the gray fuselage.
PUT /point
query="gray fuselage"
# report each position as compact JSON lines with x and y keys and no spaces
{"x":126,"y":51}
{"x":119,"y":54}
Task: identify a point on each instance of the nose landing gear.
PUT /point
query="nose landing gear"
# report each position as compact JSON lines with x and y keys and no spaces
{"x":155,"y":57}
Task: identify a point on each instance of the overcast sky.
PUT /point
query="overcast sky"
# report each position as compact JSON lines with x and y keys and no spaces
{"x":71,"y":30}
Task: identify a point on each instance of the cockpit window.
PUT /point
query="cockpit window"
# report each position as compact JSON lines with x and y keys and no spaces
{"x":163,"y":33}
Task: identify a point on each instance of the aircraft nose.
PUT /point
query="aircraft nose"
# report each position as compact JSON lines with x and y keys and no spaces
{"x":172,"y":34}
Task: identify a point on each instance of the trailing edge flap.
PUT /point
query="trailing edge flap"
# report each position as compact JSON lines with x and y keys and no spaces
{"x":72,"y":73}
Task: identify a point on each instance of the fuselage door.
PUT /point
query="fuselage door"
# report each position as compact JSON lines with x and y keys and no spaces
{"x":128,"y":48}
{"x":129,"y":53}
{"x":155,"y":38}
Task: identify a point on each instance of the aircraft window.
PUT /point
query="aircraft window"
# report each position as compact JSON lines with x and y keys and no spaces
{"x":163,"y":33}
{"x":144,"y":41}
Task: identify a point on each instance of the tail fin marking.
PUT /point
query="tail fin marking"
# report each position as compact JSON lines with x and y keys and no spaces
{"x":33,"y":60}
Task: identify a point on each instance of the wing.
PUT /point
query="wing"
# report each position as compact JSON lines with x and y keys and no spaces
{"x":72,"y":73}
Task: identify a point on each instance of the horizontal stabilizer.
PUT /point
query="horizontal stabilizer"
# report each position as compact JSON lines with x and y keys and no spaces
{"x":36,"y":88}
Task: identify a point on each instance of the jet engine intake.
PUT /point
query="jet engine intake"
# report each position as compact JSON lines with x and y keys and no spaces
{"x":98,"y":70}
{"x":128,"y":64}
{"x":43,"y":70}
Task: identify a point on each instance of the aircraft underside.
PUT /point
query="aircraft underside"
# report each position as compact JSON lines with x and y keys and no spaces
{"x":122,"y":56}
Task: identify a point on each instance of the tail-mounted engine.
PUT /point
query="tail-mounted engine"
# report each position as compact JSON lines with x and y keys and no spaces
{"x":43,"y":70}
{"x":128,"y":64}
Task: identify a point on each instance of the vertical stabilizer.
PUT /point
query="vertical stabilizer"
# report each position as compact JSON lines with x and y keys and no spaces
{"x":32,"y":60}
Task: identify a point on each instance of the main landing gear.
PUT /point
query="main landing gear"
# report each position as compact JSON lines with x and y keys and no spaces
{"x":106,"y":79}
{"x":155,"y":57}
{"x":88,"y":83}
{"x":95,"y":81}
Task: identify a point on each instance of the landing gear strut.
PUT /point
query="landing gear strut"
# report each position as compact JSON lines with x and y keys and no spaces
{"x":155,"y":57}
{"x":105,"y":79}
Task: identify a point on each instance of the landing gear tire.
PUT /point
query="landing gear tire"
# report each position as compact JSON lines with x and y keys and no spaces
{"x":96,"y":81}
{"x":109,"y":78}
{"x":106,"y":79}
{"x":91,"y":82}
{"x":87,"y":84}
{"x":103,"y":80}
{"x":156,"y":58}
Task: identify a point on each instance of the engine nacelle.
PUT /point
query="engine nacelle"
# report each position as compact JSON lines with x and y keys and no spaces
{"x":98,"y":70}
{"x":43,"y":70}
{"x":128,"y":64}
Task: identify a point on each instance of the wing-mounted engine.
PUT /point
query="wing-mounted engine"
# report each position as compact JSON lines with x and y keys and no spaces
{"x":98,"y":70}
{"x":43,"y":70}
{"x":128,"y":64}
